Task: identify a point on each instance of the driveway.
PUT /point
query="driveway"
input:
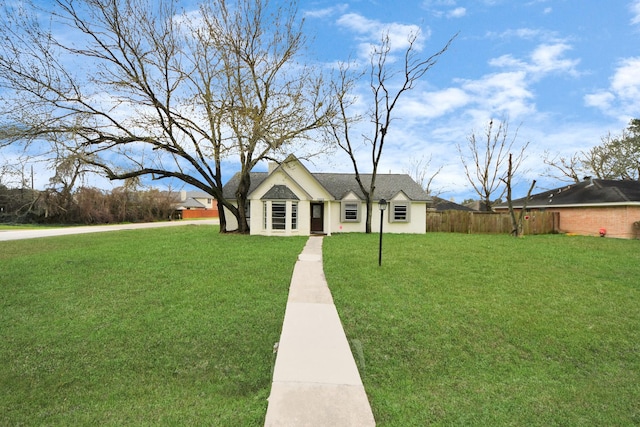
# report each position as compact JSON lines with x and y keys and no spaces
{"x":63,"y":231}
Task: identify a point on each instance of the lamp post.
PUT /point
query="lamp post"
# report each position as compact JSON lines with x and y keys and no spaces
{"x":382,"y":204}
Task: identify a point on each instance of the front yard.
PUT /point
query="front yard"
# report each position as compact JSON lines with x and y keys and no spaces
{"x":171,"y":326}
{"x":490,"y":330}
{"x":175,"y":326}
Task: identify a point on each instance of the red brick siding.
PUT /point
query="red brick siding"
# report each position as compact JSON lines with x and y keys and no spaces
{"x":199,"y":213}
{"x":618,"y":221}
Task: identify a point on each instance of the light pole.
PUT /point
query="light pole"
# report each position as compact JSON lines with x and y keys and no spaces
{"x":382,"y":204}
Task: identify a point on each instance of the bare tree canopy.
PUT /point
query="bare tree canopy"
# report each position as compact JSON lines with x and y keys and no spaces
{"x":143,"y":88}
{"x":388,"y":81}
{"x":564,"y":168}
{"x":422,"y":173}
{"x":487,"y":160}
{"x":617,"y":157}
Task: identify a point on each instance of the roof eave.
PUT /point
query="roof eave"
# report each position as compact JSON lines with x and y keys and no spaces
{"x":574,"y":205}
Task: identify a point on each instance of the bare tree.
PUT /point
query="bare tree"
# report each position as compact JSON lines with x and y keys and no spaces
{"x":617,"y":157}
{"x":486,"y":161}
{"x":387,"y":84}
{"x":564,"y":168}
{"x":516,"y":220}
{"x":421,"y":172}
{"x":149,"y":90}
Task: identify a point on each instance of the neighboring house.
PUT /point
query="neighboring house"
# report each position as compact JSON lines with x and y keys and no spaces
{"x":478,"y":206}
{"x":290,"y":200}
{"x":441,"y":205}
{"x":591,"y":207}
{"x":196,"y":204}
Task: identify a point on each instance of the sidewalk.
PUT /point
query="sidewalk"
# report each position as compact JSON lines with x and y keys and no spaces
{"x":64,"y":231}
{"x":316,"y":380}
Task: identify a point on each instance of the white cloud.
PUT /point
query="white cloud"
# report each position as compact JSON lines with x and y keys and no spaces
{"x":326,"y":12}
{"x":635,"y":10}
{"x":440,"y":8}
{"x":621,"y":98}
{"x":601,"y":100}
{"x":370,"y":33}
{"x":430,"y":105}
{"x":501,"y":94}
{"x":458,"y":12}
{"x":545,"y":59}
{"x":626,"y":81}
{"x":544,"y":35}
{"x":549,"y":58}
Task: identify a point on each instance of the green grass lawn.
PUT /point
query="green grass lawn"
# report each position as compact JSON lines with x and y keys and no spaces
{"x":175,"y":326}
{"x":490,"y":330}
{"x":171,"y":326}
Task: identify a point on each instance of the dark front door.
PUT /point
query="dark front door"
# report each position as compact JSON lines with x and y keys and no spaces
{"x":317,"y":217}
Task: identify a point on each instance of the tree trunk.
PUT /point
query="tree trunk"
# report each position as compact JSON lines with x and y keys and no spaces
{"x":241,"y":198}
{"x":369,"y":215}
{"x":222,"y":217}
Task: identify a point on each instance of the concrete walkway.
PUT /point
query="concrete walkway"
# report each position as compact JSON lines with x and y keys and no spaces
{"x":316,"y":380}
{"x":63,"y":231}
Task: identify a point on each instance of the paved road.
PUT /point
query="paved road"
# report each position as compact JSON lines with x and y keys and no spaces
{"x":63,"y":231}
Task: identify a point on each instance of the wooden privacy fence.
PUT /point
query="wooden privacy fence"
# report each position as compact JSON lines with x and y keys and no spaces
{"x":490,"y":222}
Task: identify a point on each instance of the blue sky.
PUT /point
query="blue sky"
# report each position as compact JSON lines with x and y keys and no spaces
{"x":564,"y":73}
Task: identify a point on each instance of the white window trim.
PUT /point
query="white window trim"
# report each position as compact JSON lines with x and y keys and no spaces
{"x":294,"y":210}
{"x":343,"y":210}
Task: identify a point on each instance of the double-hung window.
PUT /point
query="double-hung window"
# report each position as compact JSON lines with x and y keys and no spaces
{"x":294,"y":215}
{"x":350,"y":211}
{"x":278,"y":215}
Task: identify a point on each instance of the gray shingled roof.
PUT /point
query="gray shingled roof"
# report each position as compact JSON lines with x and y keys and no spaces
{"x":339,"y":184}
{"x":280,"y":192}
{"x":587,"y":192}
{"x":191,"y":203}
{"x":445,"y":205}
{"x":197,"y":194}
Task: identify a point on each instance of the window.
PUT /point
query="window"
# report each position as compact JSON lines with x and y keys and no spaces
{"x":399,"y":212}
{"x":264,"y":215}
{"x":278,"y":215}
{"x":294,"y":215}
{"x":350,"y":211}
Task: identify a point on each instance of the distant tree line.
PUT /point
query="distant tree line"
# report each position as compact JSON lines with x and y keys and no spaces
{"x":84,"y":205}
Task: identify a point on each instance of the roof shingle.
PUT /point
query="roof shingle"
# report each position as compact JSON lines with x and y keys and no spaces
{"x":587,"y":192}
{"x":339,"y":184}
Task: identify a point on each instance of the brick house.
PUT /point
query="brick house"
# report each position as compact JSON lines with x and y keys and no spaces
{"x":592,"y":207}
{"x":196,"y":204}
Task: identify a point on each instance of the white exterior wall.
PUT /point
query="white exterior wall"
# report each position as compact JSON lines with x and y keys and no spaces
{"x":258,"y":226}
{"x":416,"y":225}
{"x":303,"y":185}
{"x":298,"y":179}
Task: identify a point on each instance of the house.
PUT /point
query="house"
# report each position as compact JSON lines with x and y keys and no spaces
{"x":441,"y":205}
{"x":290,"y":200}
{"x":591,"y":207}
{"x":196,"y":204}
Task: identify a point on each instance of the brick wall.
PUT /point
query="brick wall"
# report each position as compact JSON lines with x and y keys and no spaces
{"x":199,"y":213}
{"x":618,"y":221}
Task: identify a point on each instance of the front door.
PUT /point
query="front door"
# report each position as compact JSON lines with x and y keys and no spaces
{"x":317,"y":217}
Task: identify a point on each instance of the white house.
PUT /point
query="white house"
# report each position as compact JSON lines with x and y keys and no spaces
{"x":290,"y":200}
